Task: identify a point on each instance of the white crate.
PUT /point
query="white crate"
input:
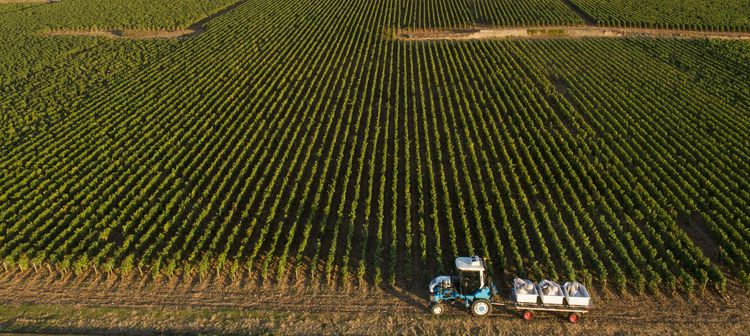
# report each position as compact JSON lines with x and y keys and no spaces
{"x":550,"y":299}
{"x":525,"y":298}
{"x":581,"y":299}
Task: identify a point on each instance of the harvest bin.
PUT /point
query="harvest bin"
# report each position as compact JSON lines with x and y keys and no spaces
{"x":576,"y":294}
{"x":555,"y":294}
{"x":524,"y":291}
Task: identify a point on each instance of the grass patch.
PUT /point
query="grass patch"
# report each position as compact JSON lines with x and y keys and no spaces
{"x":546,"y":32}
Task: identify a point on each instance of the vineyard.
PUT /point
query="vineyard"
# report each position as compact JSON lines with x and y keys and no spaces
{"x":293,"y":143}
{"x":724,"y":15}
{"x":116,"y":14}
{"x":469,"y":13}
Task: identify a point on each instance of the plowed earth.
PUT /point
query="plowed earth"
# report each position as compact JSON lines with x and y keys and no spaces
{"x":561,"y":33}
{"x":57,"y":303}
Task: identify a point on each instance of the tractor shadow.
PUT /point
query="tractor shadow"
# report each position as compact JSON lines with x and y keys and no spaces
{"x":414,"y":298}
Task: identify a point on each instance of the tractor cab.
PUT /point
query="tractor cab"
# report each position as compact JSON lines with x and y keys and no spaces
{"x":473,"y":286}
{"x":472,"y":274}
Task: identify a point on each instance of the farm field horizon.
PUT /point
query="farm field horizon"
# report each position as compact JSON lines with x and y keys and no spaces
{"x":359,"y":146}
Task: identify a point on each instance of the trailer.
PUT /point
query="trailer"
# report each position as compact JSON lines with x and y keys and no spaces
{"x":575,"y":313}
{"x":474,"y":289}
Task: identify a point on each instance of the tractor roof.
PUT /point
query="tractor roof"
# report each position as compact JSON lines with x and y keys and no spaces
{"x":474,"y":263}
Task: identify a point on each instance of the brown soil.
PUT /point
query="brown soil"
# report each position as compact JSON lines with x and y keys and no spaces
{"x":562,"y":32}
{"x":696,"y":230}
{"x":136,"y":304}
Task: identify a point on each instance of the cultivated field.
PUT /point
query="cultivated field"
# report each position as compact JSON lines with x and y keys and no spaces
{"x":724,"y":15}
{"x":298,"y":145}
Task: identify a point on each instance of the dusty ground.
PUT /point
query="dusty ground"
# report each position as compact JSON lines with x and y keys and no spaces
{"x":562,"y":32}
{"x":55,"y":303}
{"x":447,"y":34}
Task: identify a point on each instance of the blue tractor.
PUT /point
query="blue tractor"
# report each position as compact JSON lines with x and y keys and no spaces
{"x":473,"y":287}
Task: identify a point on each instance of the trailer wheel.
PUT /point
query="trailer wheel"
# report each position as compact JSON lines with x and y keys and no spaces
{"x":437,"y":309}
{"x":527,"y":315}
{"x":574,"y":317}
{"x":481,"y":308}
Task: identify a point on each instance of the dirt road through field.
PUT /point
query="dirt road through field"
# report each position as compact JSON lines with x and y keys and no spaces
{"x":47,"y":302}
{"x":562,"y":32}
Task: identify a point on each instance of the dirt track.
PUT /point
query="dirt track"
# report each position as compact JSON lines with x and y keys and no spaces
{"x":33,"y":302}
{"x":562,"y":32}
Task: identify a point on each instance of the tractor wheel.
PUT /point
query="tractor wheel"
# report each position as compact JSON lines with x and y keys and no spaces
{"x":574,"y":317}
{"x":481,"y":308}
{"x":437,"y":309}
{"x":527,"y":315}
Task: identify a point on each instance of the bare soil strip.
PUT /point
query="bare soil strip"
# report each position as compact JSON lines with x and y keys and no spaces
{"x":561,"y":32}
{"x":49,"y":301}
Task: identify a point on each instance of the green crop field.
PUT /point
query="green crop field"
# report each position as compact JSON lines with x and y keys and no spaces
{"x":295,"y":142}
{"x":721,"y":15}
{"x":467,"y":13}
